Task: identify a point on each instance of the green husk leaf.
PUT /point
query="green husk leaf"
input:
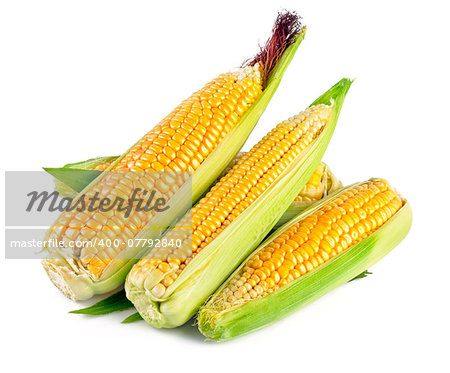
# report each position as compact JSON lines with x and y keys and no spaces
{"x":115,"y":302}
{"x":219,"y":258}
{"x":132,"y":318}
{"x":79,"y":285}
{"x":328,"y":276}
{"x":72,"y":178}
{"x":361,"y":275}
{"x":91,"y":163}
{"x":75,"y":179}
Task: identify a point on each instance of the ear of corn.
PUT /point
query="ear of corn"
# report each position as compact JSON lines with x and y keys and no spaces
{"x":324,"y":247}
{"x":258,"y":189}
{"x":200,"y":136}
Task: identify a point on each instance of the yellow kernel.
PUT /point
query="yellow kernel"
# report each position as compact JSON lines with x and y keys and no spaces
{"x":159,"y":290}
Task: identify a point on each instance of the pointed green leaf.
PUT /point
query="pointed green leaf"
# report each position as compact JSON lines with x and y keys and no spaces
{"x":91,"y":163}
{"x":76,"y":179}
{"x":115,"y":302}
{"x":132,"y":318}
{"x":361,"y":275}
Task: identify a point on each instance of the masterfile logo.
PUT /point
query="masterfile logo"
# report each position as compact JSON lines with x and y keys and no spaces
{"x":121,"y":215}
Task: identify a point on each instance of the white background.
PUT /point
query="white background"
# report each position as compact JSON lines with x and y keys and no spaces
{"x":89,"y":78}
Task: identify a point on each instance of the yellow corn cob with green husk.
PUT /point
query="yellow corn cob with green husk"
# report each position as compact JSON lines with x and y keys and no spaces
{"x":324,"y":247}
{"x":202,"y":135}
{"x":169,"y":286}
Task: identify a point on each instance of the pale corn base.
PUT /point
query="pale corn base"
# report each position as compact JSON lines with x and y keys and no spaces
{"x":55,"y":275}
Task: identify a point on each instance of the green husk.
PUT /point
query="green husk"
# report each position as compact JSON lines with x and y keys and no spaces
{"x":132,"y":318}
{"x":363,"y":274}
{"x":115,"y":302}
{"x":78,"y":284}
{"x":218,"y":259}
{"x":344,"y":267}
{"x":91,"y":163}
{"x":72,"y":178}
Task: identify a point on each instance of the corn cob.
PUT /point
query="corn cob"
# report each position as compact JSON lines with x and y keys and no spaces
{"x":323,"y":248}
{"x":201,"y":136}
{"x":168,"y":286}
